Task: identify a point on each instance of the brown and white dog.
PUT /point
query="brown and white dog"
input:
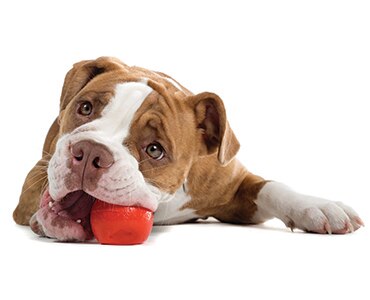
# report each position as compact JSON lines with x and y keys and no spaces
{"x":130,"y":136}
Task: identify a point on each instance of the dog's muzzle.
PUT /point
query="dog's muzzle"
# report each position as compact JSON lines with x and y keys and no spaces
{"x":90,"y":171}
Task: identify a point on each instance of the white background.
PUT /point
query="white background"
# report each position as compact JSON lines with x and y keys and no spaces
{"x":294,"y":76}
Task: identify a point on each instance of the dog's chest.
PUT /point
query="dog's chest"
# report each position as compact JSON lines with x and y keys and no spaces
{"x":169,"y":209}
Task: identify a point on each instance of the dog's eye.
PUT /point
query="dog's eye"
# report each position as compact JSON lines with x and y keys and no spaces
{"x":155,"y":151}
{"x":85,"y":108}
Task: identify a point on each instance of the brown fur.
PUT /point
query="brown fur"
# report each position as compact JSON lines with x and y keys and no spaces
{"x":36,"y":180}
{"x":192,"y":128}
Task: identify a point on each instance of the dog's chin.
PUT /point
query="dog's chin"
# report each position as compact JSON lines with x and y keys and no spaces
{"x":67,"y":219}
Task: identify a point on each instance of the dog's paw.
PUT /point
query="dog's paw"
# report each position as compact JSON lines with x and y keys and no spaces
{"x":323,"y":216}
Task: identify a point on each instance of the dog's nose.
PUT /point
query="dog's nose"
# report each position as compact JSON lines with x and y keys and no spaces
{"x":91,"y":156}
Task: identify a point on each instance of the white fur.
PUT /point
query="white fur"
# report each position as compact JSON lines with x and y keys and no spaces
{"x":123,"y":183}
{"x":114,"y":124}
{"x":302,"y":211}
{"x":169,"y":209}
{"x":57,"y":170}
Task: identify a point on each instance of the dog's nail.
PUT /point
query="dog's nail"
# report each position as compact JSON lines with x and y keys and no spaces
{"x":78,"y":221}
{"x":359,"y":221}
{"x":349,"y":226}
{"x":50,"y":204}
{"x":327,"y":228}
{"x":290,"y":224}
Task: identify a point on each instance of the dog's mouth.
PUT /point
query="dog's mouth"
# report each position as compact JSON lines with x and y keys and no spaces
{"x":75,"y":206}
{"x":65,"y":219}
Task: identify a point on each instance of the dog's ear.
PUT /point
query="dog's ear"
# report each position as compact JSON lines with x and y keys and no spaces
{"x":82,"y":73}
{"x":211,"y":120}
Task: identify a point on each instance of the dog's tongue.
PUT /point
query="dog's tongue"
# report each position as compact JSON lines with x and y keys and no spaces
{"x":75,"y":205}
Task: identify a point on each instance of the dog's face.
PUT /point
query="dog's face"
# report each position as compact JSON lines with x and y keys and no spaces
{"x":127,"y":136}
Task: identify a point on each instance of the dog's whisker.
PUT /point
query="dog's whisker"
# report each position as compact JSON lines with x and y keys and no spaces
{"x":37,"y":174}
{"x":37,"y":177}
{"x":144,"y":160}
{"x":47,"y":153}
{"x":33,"y":184}
{"x":43,"y":187}
{"x":40,"y":167}
{"x":157,"y":183}
{"x":44,"y":160}
{"x":154,"y":168}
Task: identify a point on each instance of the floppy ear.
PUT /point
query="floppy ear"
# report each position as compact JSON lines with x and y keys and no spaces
{"x":216,"y":132}
{"x":75,"y":80}
{"x":83,"y":72}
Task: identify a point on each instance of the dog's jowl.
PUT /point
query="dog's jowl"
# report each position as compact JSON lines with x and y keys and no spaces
{"x":130,"y":136}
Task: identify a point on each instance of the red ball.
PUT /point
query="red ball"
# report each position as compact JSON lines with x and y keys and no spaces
{"x":120,"y":225}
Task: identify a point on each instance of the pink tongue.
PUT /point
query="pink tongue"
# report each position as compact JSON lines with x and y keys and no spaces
{"x":75,"y":205}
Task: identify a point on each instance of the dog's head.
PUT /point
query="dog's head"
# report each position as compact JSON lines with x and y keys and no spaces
{"x":127,"y":136}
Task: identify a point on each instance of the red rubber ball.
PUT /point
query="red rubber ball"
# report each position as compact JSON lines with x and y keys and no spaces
{"x":120,"y":225}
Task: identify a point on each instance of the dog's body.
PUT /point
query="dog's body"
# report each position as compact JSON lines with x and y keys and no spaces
{"x":130,"y":136}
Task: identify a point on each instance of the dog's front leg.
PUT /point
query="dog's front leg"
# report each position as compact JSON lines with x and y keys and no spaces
{"x":308,"y":213}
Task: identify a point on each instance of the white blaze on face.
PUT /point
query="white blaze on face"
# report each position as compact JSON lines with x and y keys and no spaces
{"x":117,"y":116}
{"x":123,"y":183}
{"x":113,"y":126}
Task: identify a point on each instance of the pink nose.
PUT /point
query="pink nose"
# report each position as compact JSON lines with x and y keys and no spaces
{"x":90,"y":158}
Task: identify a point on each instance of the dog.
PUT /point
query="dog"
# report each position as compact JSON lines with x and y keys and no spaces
{"x":135,"y":137}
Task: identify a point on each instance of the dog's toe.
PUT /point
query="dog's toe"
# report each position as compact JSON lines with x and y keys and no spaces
{"x":329,"y":217}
